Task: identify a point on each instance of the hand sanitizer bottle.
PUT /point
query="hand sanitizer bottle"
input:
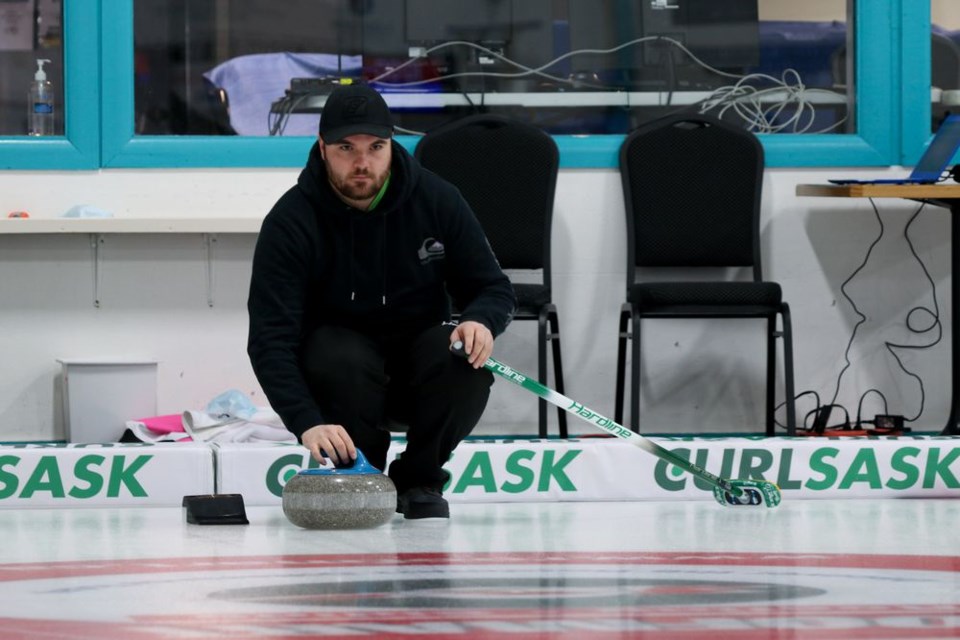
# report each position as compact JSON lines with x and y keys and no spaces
{"x":40,"y":103}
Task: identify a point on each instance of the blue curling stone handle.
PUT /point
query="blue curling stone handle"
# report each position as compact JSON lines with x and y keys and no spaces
{"x":360,"y":466}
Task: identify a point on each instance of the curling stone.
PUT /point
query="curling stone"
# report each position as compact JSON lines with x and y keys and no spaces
{"x":358,"y":496}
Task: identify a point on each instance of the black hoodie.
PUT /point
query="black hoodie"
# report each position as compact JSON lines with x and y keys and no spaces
{"x":385,"y":273}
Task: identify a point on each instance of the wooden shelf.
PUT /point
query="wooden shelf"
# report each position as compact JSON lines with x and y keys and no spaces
{"x":98,"y":228}
{"x":130,"y":225}
{"x":910,"y":191}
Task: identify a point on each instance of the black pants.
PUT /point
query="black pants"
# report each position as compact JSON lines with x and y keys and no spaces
{"x":361,"y":383}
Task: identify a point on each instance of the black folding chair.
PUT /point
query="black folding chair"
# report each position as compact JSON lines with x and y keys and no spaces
{"x":507,"y":172}
{"x":692,"y":187}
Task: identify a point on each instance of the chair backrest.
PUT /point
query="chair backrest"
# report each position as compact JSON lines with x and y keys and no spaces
{"x":944,"y":63}
{"x":507,"y":172}
{"x":692,"y":187}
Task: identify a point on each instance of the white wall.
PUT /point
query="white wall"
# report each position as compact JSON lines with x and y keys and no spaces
{"x":945,"y":13}
{"x":808,"y":10}
{"x":702,"y":377}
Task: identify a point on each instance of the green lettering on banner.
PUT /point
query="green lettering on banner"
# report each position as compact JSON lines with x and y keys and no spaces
{"x":45,"y":477}
{"x":549,"y":469}
{"x":274,"y":482}
{"x":663,"y":470}
{"x":911,"y":473}
{"x":863,"y":469}
{"x":940,"y":468}
{"x":726,"y":463}
{"x":10,"y":482}
{"x":754,"y":463}
{"x":701,"y":462}
{"x":478,"y":472}
{"x":818,"y":464}
{"x":83,"y":473}
{"x":109,"y":445}
{"x":36,"y":445}
{"x":126,"y":477}
{"x":783,"y":476}
{"x":446,"y":485}
{"x":524,"y":475}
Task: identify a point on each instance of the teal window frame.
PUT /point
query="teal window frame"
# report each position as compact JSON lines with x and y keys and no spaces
{"x":892,"y":106}
{"x":913,"y":49}
{"x":79,"y":148}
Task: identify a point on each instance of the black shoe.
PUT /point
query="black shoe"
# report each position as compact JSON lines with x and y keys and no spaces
{"x":422,"y":502}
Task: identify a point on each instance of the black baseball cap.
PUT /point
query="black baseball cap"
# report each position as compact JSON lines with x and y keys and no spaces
{"x":354,"y":109}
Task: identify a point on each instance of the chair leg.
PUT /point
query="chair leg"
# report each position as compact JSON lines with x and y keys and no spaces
{"x":542,"y":371}
{"x":788,"y":369}
{"x":635,"y":375}
{"x":621,"y":362}
{"x":771,"y":375}
{"x":554,"y":338}
{"x":788,"y":389}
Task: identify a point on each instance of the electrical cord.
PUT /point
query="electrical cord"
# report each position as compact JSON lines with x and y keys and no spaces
{"x":287,"y":105}
{"x":525,"y":70}
{"x":934,"y":314}
{"x":809,"y":413}
{"x":742,"y":99}
{"x":820,"y":428}
{"x":760,"y":115}
{"x":843,"y":290}
{"x":860,"y":406}
{"x":751,"y":104}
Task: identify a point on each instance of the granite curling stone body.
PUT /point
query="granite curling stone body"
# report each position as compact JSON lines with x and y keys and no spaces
{"x":354,"y":497}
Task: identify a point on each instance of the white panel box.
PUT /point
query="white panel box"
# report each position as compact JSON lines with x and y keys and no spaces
{"x":99,"y":396}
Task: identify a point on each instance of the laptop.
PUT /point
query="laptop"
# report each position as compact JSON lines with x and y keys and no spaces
{"x":934,"y":160}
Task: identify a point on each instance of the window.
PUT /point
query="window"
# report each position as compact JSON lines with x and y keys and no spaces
{"x":31,"y":45}
{"x":160,"y":99}
{"x":75,"y":79}
{"x":579,"y":67}
{"x":944,"y":61}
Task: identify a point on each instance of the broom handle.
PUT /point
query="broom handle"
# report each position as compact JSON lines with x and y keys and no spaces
{"x":585,"y":413}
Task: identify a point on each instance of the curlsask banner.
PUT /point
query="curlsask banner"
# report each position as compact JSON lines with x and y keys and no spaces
{"x":103,"y":475}
{"x":611,"y":469}
{"x":490,"y":470}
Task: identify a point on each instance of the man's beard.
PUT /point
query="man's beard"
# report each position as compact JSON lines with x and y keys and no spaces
{"x":352,"y":191}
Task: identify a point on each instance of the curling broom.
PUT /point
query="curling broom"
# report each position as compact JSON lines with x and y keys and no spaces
{"x":732,"y":493}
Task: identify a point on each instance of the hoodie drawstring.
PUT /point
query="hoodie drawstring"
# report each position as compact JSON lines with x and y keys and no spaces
{"x":383,"y":229}
{"x":353,"y":260}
